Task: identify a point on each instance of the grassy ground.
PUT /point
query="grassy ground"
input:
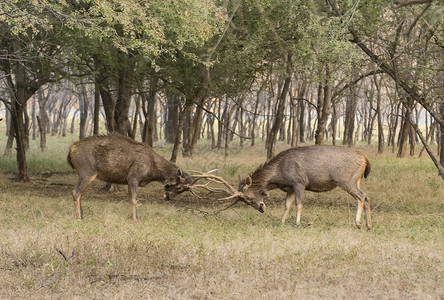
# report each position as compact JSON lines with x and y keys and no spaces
{"x":180,"y":250}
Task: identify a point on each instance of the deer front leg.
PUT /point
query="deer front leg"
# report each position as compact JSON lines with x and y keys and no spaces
{"x":77,"y":204}
{"x":82,"y":184}
{"x":288,"y":203}
{"x":132,"y":189}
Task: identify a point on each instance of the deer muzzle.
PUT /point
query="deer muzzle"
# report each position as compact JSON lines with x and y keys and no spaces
{"x":166,"y":196}
{"x":261,"y":207}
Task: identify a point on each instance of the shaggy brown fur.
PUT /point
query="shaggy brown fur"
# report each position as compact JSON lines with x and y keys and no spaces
{"x":115,"y":158}
{"x":313,"y":168}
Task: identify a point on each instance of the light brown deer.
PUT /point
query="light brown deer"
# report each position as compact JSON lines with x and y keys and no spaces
{"x":114,"y":158}
{"x":313,"y":168}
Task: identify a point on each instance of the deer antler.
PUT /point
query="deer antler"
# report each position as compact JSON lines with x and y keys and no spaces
{"x":211,"y":178}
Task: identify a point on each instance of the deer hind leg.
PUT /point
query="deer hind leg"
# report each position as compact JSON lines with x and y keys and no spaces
{"x":298,"y":195}
{"x":294,"y":196}
{"x":368,"y":216}
{"x":359,"y":195}
{"x":288,"y":204}
{"x":132,"y":189}
{"x":355,"y":190}
{"x":82,"y":184}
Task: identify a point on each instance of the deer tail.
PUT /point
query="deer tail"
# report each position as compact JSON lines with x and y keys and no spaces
{"x":69,"y":159}
{"x":368,"y":168}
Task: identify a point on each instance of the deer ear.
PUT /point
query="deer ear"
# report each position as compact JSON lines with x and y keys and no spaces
{"x":179,"y":172}
{"x":248,"y":182}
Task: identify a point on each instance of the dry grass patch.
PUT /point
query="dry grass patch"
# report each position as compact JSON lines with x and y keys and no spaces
{"x":180,"y":250}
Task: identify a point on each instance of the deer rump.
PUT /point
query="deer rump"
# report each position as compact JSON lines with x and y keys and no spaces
{"x":313,"y":168}
{"x":114,"y":158}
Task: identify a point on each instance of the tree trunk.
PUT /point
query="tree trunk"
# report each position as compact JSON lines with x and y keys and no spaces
{"x":280,"y":109}
{"x":180,"y":123}
{"x":253,"y":121}
{"x":136,"y":116}
{"x":108,"y":107}
{"x":172,"y":119}
{"x":441,"y":142}
{"x":221,"y":118}
{"x":227,"y":130}
{"x":10,"y":131}
{"x":18,"y":107}
{"x":301,"y":121}
{"x":349,"y":123}
{"x":295,"y":129}
{"x":42,"y":119}
{"x":241,"y":126}
{"x":195,"y":129}
{"x":151,"y":111}
{"x":326,"y":109}
{"x":378,"y":112}
{"x":83,"y":100}
{"x":334,"y":121}
{"x":96,"y":108}
{"x":403,"y":135}
{"x":33,"y":119}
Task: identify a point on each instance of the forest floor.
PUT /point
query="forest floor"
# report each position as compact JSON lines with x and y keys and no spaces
{"x":181,"y":250}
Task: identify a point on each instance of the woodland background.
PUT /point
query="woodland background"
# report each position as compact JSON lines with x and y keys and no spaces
{"x":221,"y":85}
{"x":181,"y":71}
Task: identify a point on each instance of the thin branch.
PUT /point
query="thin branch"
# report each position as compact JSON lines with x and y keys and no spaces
{"x":222,"y":122}
{"x":429,"y":151}
{"x":411,"y":2}
{"x":418,"y":17}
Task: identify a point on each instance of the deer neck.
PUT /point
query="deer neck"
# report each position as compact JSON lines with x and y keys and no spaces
{"x":262,"y":177}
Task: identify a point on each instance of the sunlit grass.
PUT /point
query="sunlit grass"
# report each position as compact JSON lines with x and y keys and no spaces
{"x":181,"y":250}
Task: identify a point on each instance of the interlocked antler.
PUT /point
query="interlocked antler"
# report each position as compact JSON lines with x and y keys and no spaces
{"x":211,"y":178}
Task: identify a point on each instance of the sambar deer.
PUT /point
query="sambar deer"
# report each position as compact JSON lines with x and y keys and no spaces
{"x":114,"y":158}
{"x":317,"y":168}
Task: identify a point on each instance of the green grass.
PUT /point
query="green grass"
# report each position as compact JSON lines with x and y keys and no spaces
{"x":181,"y":250}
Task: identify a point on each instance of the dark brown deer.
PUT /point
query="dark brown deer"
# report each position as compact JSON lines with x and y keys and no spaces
{"x":312,"y":168}
{"x":114,"y":158}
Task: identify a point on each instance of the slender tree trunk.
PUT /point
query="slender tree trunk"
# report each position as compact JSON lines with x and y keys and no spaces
{"x":180,"y":123}
{"x":412,"y":140}
{"x":18,"y":107}
{"x":350,"y":114}
{"x":42,"y":121}
{"x":280,"y":109}
{"x":301,"y":121}
{"x":33,"y":120}
{"x":221,"y":118}
{"x":441,"y":142}
{"x":326,"y":109}
{"x":124,"y":91}
{"x":96,"y":109}
{"x":380,"y":123}
{"x":10,"y":142}
{"x":227,"y":130}
{"x":405,"y":130}
{"x":334,"y":121}
{"x":172,"y":119}
{"x":256,"y":106}
{"x":195,"y":129}
{"x":241,"y":126}
{"x":151,"y":110}
{"x":83,"y":100}
{"x":136,"y":116}
{"x":108,"y":107}
{"x":295,"y":129}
